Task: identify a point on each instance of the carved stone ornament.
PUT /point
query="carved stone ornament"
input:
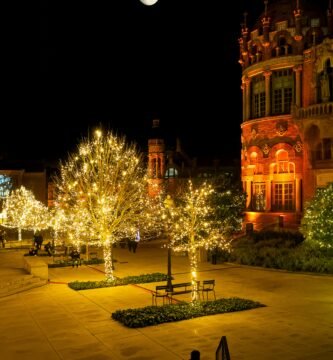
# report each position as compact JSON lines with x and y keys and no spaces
{"x":281,"y":128}
{"x":254,"y":132}
{"x":266,"y":149}
{"x":298,"y":146}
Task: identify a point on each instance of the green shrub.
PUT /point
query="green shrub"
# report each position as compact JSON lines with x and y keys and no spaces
{"x":154,"y":315}
{"x":304,"y":257}
{"x":64,"y":263}
{"x":140,"y":279}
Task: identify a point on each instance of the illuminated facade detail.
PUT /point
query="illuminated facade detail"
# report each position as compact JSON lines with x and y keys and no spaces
{"x":6,"y":185}
{"x":287,"y":96}
{"x":156,"y":160}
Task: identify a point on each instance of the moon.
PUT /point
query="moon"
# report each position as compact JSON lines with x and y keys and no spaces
{"x":149,"y":2}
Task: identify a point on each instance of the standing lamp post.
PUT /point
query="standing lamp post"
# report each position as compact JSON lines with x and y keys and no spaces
{"x":169,"y":204}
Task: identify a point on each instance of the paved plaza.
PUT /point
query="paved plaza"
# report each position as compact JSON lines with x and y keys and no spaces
{"x":53,"y":322}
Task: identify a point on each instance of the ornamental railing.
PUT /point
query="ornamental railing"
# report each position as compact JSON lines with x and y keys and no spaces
{"x":315,"y":110}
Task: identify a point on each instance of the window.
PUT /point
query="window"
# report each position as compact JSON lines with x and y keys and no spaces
{"x":282,"y":25}
{"x":258,"y":196}
{"x":171,"y":173}
{"x":283,"y":196}
{"x":6,"y":185}
{"x":259,"y":97}
{"x":283,"y":165}
{"x":282,"y":86}
{"x":315,"y":22}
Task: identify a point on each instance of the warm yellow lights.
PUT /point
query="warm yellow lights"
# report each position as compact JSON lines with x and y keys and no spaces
{"x":98,"y":134}
{"x":104,"y":191}
{"x":24,"y":212}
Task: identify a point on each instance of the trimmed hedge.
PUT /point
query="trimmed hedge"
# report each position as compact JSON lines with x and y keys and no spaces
{"x":64,"y":263}
{"x":154,"y":315}
{"x":140,"y":279}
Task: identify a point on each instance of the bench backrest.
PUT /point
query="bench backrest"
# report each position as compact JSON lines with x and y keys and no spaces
{"x":208,"y":284}
{"x":161,"y":287}
{"x":181,"y":285}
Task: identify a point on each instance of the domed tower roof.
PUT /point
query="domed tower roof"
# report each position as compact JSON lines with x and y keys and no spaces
{"x":281,"y":10}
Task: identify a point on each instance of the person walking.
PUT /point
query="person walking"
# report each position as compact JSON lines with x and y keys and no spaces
{"x":136,"y":241}
{"x":3,"y":238}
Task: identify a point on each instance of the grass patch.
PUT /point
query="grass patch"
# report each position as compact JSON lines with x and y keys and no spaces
{"x":154,"y":315}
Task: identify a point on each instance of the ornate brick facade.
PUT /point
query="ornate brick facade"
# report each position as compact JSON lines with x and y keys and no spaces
{"x":287,"y":129}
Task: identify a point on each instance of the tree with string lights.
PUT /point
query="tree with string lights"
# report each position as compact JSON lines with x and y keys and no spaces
{"x":104,"y":186}
{"x":228,"y":201}
{"x":191,"y":226}
{"x":204,"y":216}
{"x":317,"y":222}
{"x":24,"y":212}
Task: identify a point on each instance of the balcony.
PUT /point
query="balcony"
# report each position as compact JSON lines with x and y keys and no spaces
{"x":315,"y":110}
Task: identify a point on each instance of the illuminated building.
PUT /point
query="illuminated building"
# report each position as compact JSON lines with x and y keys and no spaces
{"x":169,"y":166}
{"x":287,"y":92}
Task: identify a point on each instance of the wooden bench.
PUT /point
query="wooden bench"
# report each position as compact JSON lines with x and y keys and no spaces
{"x":180,"y":288}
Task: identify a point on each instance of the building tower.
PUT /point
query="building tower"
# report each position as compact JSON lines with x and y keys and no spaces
{"x":156,"y":160}
{"x":287,"y":128}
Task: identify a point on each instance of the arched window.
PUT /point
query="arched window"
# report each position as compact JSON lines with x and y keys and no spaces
{"x":282,"y":45}
{"x":171,"y":173}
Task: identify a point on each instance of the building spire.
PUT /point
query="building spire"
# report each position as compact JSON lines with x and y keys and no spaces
{"x":330,"y":18}
{"x":266,"y":2}
{"x":245,"y":16}
{"x":265,"y":23}
{"x":297,"y":14}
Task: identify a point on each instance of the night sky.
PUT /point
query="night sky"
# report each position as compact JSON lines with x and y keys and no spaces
{"x":121,"y":64}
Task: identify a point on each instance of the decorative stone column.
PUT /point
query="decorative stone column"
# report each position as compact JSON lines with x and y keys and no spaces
{"x":268,"y":195}
{"x":268,"y":75}
{"x":243,"y":87}
{"x":249,"y":193}
{"x":298,"y":200}
{"x":298,"y":71}
{"x":248,"y":99}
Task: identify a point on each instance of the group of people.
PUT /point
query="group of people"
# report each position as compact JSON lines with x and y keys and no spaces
{"x":38,"y":241}
{"x":76,"y":258}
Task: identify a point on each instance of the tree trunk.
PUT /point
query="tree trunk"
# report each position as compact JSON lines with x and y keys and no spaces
{"x":194,"y":279}
{"x":20,"y":234}
{"x":108,"y":265}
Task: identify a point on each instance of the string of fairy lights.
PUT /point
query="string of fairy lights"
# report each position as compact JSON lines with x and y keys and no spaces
{"x":24,"y":212}
{"x":104,"y":188}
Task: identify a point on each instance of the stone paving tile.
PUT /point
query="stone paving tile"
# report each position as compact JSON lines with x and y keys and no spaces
{"x":132,"y":348}
{"x":296,"y":324}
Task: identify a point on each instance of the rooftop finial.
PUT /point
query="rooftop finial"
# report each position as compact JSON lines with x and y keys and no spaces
{"x":245,"y":15}
{"x":156,"y":123}
{"x":266,"y":2}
